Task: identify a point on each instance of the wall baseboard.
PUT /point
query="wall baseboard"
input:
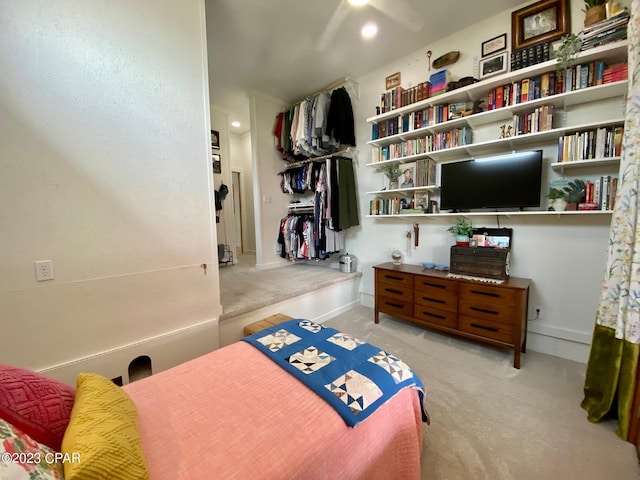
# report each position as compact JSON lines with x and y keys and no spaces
{"x":165,"y":351}
{"x":542,"y":338}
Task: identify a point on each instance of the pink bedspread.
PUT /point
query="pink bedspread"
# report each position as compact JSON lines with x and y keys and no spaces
{"x":203,"y":420}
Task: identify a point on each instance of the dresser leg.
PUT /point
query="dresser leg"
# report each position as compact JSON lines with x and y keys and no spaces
{"x":375,"y":317}
{"x":516,"y":358}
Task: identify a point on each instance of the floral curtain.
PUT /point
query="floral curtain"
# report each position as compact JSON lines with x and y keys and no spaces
{"x":613,"y":360}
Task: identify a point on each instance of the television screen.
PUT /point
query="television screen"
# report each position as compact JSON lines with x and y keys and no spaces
{"x":502,"y":181}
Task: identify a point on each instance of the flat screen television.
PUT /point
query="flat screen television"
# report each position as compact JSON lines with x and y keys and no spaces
{"x":498,"y":182}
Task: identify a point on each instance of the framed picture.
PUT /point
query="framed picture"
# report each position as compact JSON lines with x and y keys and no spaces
{"x":422,"y":200}
{"x":392,"y":81}
{"x":494,"y":65}
{"x":542,"y":21}
{"x":494,"y":45}
{"x":407,"y":175}
{"x":217,"y":166}
{"x":215,"y":140}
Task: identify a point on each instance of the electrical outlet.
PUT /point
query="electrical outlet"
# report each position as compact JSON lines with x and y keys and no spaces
{"x":44,"y":270}
{"x":537,"y":312}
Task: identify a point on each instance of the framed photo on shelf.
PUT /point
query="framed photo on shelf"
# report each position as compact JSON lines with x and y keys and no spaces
{"x":215,"y":140}
{"x":494,"y":45}
{"x":407,"y":175}
{"x":541,"y":21}
{"x":217,"y":166}
{"x":494,"y":65}
{"x":421,"y":200}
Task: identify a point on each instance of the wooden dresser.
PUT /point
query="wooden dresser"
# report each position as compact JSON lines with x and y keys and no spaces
{"x":483,"y":311}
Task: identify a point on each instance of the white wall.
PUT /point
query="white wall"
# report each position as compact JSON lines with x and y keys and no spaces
{"x":225,"y":229}
{"x":242,"y":162}
{"x":564,"y":256}
{"x":270,"y":203}
{"x":105,"y":160}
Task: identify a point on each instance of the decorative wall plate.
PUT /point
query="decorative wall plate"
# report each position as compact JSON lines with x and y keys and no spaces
{"x":446,"y":59}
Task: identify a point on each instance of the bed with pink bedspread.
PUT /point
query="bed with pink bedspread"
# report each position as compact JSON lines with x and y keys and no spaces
{"x":298,"y":401}
{"x":208,"y":419}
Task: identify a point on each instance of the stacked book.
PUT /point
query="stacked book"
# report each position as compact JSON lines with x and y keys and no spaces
{"x":438,"y":82}
{"x":610,"y":30}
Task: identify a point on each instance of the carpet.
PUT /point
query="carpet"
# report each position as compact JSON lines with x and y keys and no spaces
{"x":491,"y":421}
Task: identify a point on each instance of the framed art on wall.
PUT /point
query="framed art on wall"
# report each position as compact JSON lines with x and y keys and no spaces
{"x":215,"y":140}
{"x":494,"y":45}
{"x":494,"y":65}
{"x":217,"y":166}
{"x":542,"y":21}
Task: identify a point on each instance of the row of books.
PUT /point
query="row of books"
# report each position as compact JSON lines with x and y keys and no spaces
{"x":604,"y":142}
{"x":525,"y":57}
{"x":600,"y":194}
{"x":580,"y":76}
{"x":411,"y":121}
{"x":400,"y":97}
{"x":425,"y":172}
{"x":429,"y":143}
{"x":420,"y":203}
{"x":606,"y":31}
{"x":538,"y":120}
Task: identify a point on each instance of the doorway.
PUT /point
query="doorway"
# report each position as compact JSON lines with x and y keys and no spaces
{"x":237,"y":210}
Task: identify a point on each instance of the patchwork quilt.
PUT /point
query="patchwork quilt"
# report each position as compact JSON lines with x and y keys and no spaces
{"x":354,"y":377}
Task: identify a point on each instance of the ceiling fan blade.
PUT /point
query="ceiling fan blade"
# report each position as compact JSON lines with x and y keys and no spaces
{"x":338,"y":16}
{"x":400,"y":11}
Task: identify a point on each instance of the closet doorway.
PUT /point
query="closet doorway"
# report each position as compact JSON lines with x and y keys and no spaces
{"x":237,"y":210}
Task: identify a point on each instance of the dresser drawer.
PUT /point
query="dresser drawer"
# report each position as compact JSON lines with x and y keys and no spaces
{"x":394,"y":291}
{"x":487,"y":294}
{"x":399,"y":279}
{"x":434,"y":285}
{"x":484,"y":328}
{"x":441,"y":300}
{"x":496,"y":313}
{"x":435,"y":316}
{"x":393,"y":306}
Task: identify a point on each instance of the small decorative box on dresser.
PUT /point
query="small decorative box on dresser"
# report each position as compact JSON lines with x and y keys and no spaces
{"x":494,"y":313}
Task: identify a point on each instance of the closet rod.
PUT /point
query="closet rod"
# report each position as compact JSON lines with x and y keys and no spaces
{"x":336,"y":84}
{"x":317,"y":159}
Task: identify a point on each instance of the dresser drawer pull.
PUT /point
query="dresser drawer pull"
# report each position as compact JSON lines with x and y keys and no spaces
{"x":484,"y":310}
{"x":393,"y":291}
{"x":435,"y":285}
{"x":488,"y":294}
{"x":484,"y":327}
{"x":394,"y":278}
{"x":394,"y":305}
{"x":429,"y":314}
{"x":434,"y":300}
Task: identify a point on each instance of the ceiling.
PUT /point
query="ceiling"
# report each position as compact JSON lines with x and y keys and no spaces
{"x":270,"y":46}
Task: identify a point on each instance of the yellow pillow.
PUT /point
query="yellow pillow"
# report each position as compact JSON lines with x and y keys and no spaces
{"x":103,"y":433}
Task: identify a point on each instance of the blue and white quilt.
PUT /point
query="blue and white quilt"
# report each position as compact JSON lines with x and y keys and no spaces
{"x":354,"y":377}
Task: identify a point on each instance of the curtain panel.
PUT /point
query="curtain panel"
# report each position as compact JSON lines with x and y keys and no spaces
{"x":613,"y":359}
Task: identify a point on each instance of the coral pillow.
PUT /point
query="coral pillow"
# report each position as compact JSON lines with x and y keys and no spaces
{"x":37,"y":405}
{"x":103,"y":431}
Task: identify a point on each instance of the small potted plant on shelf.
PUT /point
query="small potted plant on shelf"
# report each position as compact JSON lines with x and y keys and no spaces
{"x":463,"y":230}
{"x":569,"y":46}
{"x":392,"y":172}
{"x":594,"y":11}
{"x":575,"y":193}
{"x":557,"y":199}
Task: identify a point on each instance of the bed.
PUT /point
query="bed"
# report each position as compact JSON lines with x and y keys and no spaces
{"x":235,"y":413}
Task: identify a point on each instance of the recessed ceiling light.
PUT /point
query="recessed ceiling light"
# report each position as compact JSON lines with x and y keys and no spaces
{"x":358,"y":2}
{"x":235,"y":124}
{"x":370,"y":30}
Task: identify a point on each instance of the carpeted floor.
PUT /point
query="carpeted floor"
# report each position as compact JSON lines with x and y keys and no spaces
{"x":243,"y":288}
{"x":491,"y":421}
